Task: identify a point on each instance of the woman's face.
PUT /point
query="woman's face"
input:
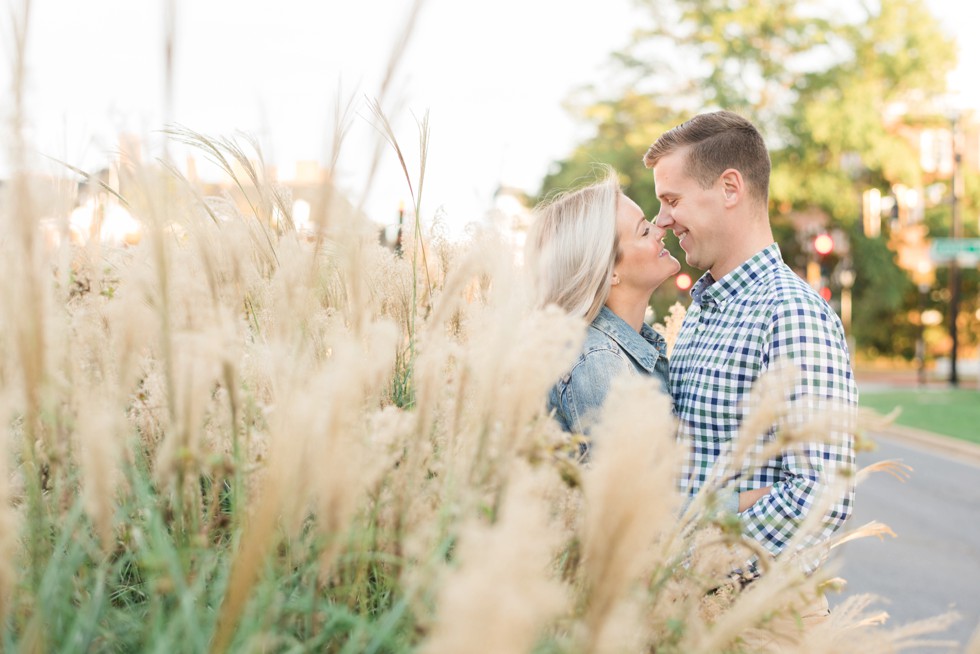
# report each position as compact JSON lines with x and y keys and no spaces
{"x":644,"y":262}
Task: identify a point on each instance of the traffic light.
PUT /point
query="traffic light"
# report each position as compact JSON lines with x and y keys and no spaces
{"x":823,"y":244}
{"x":817,"y":272}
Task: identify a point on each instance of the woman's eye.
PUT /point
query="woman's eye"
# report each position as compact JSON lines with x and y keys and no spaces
{"x":646,"y":231}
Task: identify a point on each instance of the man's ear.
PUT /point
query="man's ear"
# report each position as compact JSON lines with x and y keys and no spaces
{"x":733,"y":186}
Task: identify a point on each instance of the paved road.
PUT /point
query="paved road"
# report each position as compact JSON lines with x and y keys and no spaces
{"x":934,"y":563}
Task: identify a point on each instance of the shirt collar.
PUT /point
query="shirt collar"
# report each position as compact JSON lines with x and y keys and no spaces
{"x":637,"y":345}
{"x":709,"y":291}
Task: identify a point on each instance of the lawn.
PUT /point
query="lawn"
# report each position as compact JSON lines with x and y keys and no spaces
{"x":943,"y":411}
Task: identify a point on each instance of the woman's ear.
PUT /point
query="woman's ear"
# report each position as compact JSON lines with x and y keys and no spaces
{"x":614,"y":280}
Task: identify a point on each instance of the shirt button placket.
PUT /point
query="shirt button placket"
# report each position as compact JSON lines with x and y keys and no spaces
{"x":703,"y":319}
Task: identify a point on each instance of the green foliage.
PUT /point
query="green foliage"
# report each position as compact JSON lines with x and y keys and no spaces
{"x":822,"y":84}
{"x":728,"y":54}
{"x":158,"y":591}
{"x":625,"y":128}
{"x":880,"y":292}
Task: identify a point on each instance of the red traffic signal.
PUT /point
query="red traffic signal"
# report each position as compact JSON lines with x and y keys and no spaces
{"x":823,"y":244}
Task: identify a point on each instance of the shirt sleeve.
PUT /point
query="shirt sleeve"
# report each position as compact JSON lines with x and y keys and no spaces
{"x":587,"y":385}
{"x":808,"y":335}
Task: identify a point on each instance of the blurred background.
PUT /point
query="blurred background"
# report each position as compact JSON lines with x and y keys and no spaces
{"x":870,"y":110}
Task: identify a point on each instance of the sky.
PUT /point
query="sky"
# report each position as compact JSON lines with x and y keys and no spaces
{"x":493,"y":76}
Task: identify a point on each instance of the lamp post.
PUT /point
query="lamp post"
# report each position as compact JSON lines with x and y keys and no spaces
{"x":920,"y":343}
{"x":923,"y":277}
{"x":846,"y":278}
{"x":954,"y":269}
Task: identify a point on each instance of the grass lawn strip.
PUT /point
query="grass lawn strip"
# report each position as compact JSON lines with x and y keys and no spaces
{"x":951,"y":412}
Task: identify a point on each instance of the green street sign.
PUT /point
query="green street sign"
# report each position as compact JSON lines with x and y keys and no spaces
{"x":944,"y":250}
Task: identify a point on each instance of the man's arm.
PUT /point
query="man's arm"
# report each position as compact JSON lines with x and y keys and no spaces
{"x":807,"y":334}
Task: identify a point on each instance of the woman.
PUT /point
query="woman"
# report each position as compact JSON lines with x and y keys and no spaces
{"x":595,"y":255}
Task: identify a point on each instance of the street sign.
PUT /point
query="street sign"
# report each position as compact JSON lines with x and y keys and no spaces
{"x":962,"y":250}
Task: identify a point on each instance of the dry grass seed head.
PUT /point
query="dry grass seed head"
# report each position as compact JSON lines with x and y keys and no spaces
{"x":893,"y":467}
{"x":630,"y":494}
{"x":319,"y":442}
{"x":292,"y":303}
{"x":851,"y":627}
{"x":871,"y":529}
{"x":390,"y":282}
{"x":714,"y":555}
{"x":626,"y":628}
{"x":507,"y":376}
{"x":134,"y":330}
{"x":316,"y":453}
{"x":198,"y":359}
{"x":100,"y":440}
{"x":973,"y":647}
{"x":501,"y":594}
{"x":670,"y":329}
{"x":782,"y":589}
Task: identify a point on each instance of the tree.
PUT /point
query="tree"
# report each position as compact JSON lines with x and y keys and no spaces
{"x":820,"y":79}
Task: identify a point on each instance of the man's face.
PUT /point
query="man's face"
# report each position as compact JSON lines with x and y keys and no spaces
{"x":695,"y":215}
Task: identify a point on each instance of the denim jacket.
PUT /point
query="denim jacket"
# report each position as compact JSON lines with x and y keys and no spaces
{"x":611,"y":348}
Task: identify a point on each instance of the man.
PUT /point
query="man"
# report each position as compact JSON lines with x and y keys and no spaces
{"x":750,"y":312}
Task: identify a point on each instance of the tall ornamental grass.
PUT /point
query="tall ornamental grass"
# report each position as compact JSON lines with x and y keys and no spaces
{"x":234,"y":436}
{"x":237,"y":437}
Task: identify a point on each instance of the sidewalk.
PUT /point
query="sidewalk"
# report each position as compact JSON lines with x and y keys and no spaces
{"x":962,"y":451}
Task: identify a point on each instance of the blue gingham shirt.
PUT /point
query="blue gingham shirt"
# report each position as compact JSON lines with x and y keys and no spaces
{"x":737,"y":328}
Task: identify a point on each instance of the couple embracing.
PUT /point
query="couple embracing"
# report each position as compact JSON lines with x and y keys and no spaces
{"x":596,"y":255}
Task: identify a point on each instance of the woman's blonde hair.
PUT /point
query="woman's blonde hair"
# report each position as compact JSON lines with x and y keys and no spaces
{"x":573,"y":245}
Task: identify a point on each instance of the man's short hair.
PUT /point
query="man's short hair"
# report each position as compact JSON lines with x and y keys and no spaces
{"x":716,"y":142}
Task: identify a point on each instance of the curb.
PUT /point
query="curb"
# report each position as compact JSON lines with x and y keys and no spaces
{"x":962,"y":451}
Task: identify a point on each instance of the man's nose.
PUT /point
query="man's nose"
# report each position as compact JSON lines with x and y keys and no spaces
{"x":663,"y":219}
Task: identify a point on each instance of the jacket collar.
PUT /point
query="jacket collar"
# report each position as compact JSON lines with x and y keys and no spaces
{"x":637,"y":345}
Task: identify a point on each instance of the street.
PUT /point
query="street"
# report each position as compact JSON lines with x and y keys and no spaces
{"x":934,"y":563}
